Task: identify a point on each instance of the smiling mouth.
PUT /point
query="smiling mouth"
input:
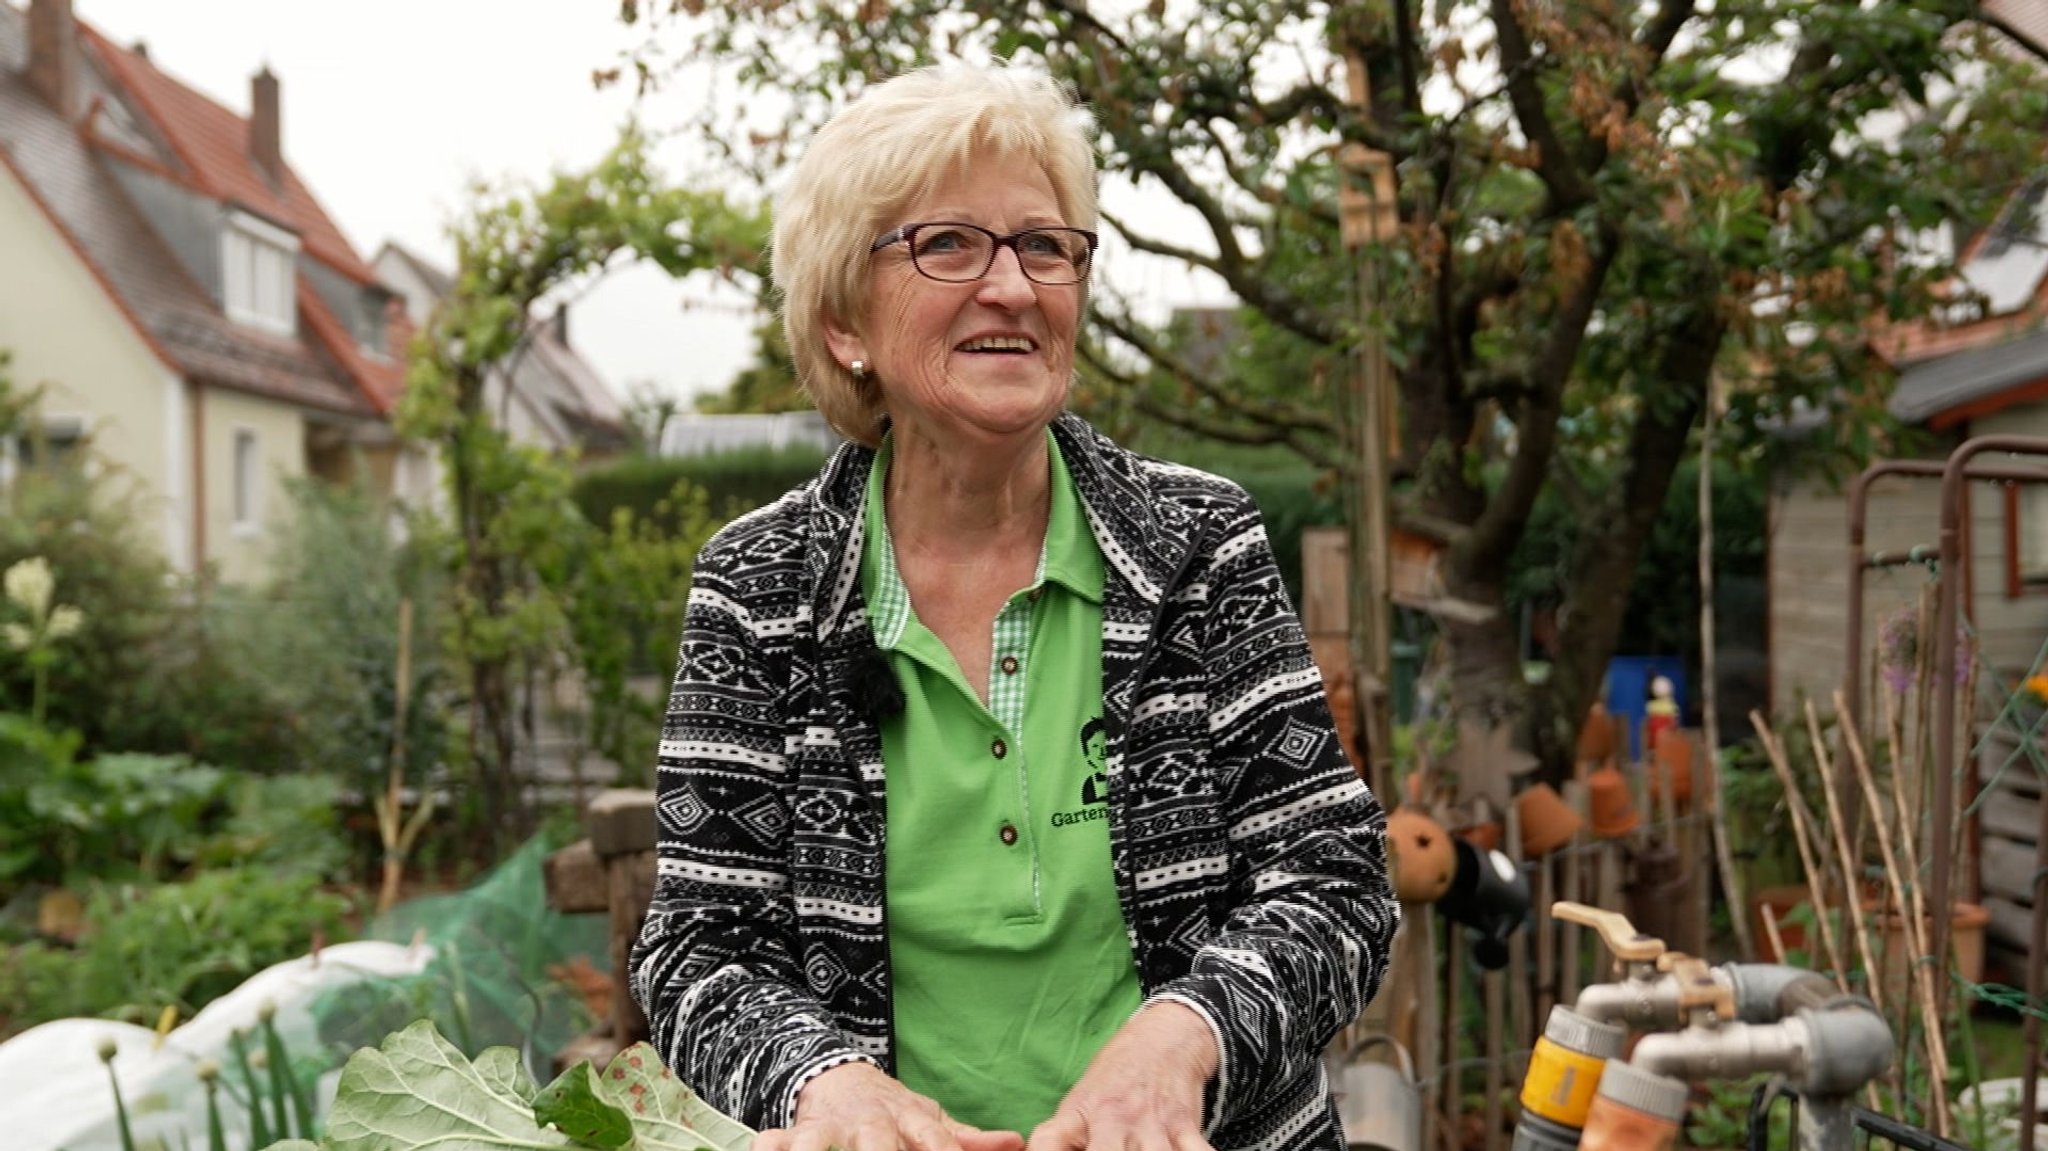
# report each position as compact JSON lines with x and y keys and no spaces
{"x":1000,"y":345}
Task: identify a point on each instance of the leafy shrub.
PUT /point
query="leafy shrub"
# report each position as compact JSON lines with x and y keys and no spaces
{"x":323,"y":637}
{"x":733,"y":482}
{"x":179,"y":945}
{"x":143,"y":673}
{"x":137,"y":816}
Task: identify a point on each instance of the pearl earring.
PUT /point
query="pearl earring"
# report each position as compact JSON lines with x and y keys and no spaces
{"x":859,"y":368}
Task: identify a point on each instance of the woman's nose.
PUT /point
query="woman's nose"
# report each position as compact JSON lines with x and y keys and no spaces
{"x":1006,"y":284}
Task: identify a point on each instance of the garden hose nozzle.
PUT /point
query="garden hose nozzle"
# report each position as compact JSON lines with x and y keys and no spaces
{"x":1564,"y":1074}
{"x":1635,"y":1110}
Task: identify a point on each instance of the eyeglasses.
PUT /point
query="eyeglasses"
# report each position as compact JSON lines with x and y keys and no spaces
{"x":962,"y":253}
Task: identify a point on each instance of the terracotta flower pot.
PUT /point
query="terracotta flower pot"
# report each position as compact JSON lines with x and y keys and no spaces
{"x":1672,"y":760}
{"x":1548,"y":822}
{"x":1613,"y":808}
{"x":1424,"y":858}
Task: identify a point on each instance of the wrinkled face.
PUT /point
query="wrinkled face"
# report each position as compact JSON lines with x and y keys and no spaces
{"x":975,"y":362}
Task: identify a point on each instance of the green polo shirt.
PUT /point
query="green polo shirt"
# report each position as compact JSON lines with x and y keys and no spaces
{"x":1008,"y":955}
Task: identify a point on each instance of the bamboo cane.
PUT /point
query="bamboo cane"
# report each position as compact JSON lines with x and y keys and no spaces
{"x":1802,"y":834}
{"x":1913,"y":934}
{"x":1852,"y":896}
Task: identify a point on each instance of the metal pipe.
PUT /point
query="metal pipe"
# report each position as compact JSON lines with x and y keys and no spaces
{"x":1830,"y":1052}
{"x":1641,"y":1003}
{"x":1768,"y":992}
{"x":1726,"y":1051}
{"x":1952,"y":478}
{"x":1826,"y":1123}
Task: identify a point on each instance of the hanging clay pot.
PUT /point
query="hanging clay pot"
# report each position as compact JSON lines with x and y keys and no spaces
{"x":1672,"y":760}
{"x":1548,"y":822}
{"x":1613,"y":809}
{"x":1424,"y":858}
{"x":1600,"y":738}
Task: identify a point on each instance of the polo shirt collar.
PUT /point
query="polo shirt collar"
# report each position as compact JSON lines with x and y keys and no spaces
{"x":1068,"y":557}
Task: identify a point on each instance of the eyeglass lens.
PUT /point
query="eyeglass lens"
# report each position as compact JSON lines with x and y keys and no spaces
{"x":959,"y":252}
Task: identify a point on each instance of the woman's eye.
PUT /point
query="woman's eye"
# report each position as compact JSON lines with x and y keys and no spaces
{"x":1041,"y":244}
{"x":940,"y":240}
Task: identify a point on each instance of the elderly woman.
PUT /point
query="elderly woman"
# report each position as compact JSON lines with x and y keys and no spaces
{"x":997,"y":792}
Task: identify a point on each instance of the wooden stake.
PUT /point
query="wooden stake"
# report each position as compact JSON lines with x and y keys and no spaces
{"x":1802,"y":834}
{"x":1912,"y":934}
{"x":1853,"y":895}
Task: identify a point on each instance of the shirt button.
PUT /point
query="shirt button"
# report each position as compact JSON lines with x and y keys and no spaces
{"x":999,"y":749}
{"x":1034,"y":593}
{"x":1008,"y":834}
{"x":1009,"y":665}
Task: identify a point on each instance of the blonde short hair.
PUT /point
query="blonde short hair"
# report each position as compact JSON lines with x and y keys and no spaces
{"x":893,"y":144}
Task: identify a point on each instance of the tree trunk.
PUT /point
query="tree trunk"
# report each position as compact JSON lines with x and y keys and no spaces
{"x":1603,"y":563}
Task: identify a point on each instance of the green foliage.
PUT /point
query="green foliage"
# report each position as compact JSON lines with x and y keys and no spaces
{"x":525,"y":587}
{"x":321,"y":637}
{"x":1646,"y":202}
{"x":732,"y":482}
{"x":417,"y":1091}
{"x":176,"y":945}
{"x":144,"y":672}
{"x":769,"y":384}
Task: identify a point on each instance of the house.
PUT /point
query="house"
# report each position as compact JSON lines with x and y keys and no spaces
{"x":546,"y":395}
{"x":191,"y":308}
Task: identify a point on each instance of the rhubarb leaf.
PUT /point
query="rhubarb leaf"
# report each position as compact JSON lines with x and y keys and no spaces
{"x":418,"y":1091}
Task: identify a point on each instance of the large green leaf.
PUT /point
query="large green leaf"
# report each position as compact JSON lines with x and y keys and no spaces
{"x":417,"y":1091}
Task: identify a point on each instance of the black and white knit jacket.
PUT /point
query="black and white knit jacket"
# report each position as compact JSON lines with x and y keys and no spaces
{"x":1250,"y":861}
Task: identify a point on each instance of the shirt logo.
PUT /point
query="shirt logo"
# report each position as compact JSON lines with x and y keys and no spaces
{"x":1094,"y":785}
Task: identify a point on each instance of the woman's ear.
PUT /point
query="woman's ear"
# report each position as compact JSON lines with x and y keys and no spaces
{"x":844,"y":343}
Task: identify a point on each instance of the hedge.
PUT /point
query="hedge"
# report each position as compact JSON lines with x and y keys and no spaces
{"x":735,"y":482}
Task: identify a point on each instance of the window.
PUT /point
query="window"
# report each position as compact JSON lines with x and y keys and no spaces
{"x":2026,"y":538}
{"x":258,"y":273}
{"x":53,"y":443}
{"x":248,"y":481}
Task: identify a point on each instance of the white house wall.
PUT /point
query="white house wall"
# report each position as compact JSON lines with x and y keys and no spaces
{"x":66,"y":334}
{"x":241,"y":551}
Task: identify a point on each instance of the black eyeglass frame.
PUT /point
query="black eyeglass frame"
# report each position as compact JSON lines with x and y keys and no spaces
{"x":907,"y":236}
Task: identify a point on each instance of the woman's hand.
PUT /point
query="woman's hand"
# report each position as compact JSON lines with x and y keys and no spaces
{"x":858,"y":1107}
{"x":1142,"y":1091}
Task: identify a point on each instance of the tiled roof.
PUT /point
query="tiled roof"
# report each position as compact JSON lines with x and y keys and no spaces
{"x":1980,"y":380}
{"x":2025,"y":19}
{"x":213,"y":144}
{"x":547,"y":371}
{"x":178,"y":317}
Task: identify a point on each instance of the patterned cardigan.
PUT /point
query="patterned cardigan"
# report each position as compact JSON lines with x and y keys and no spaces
{"x":1250,"y":861}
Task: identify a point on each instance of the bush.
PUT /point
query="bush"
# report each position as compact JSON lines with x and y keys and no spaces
{"x":179,"y":945}
{"x":323,"y":639}
{"x":143,"y":673}
{"x":734,"y":482}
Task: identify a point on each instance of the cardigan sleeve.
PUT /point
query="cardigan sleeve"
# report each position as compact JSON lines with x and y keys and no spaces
{"x":1305,"y":942}
{"x":716,"y":967}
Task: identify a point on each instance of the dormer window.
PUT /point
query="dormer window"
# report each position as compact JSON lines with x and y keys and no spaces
{"x":258,"y":273}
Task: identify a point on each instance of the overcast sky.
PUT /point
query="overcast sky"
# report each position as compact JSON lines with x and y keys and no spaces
{"x":393,"y":108}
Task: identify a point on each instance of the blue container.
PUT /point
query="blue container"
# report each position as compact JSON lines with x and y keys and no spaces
{"x":1628,"y":692}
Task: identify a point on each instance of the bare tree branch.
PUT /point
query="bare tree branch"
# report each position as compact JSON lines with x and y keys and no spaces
{"x":1272,"y":413}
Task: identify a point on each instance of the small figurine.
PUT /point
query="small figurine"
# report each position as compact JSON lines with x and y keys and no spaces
{"x":1661,"y":712}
